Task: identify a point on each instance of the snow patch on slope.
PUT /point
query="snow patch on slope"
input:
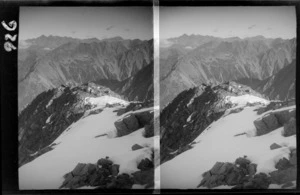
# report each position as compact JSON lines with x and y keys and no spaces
{"x":103,"y":100}
{"x":244,"y":99}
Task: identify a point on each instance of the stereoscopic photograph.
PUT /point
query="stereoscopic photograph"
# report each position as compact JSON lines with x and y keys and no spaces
{"x":227,"y":97}
{"x":149,"y":96}
{"x":85,"y":98}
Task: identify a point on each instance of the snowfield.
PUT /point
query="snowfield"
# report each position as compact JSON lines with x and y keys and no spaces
{"x":218,"y":143}
{"x":85,"y":142}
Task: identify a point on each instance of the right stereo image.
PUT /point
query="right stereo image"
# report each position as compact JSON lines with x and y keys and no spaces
{"x":227,"y":97}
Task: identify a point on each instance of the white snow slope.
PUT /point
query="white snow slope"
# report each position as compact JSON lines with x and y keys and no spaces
{"x":218,"y":143}
{"x":77,"y":144}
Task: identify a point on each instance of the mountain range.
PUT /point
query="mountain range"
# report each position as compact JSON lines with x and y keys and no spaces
{"x":48,"y":62}
{"x":190,"y":60}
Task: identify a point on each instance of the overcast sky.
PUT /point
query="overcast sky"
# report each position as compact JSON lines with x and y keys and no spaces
{"x":271,"y":22}
{"x":86,"y":22}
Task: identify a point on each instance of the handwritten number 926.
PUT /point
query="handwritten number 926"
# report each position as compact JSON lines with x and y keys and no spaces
{"x":12,"y":25}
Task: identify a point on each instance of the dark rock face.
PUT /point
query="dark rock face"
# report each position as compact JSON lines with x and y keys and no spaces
{"x":49,"y":114}
{"x":191,"y":112}
{"x":133,"y":122}
{"x":138,"y":87}
{"x":273,"y":86}
{"x":274,"y":120}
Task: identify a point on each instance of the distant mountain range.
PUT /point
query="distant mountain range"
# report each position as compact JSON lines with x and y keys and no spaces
{"x":49,"y":61}
{"x":190,"y":60}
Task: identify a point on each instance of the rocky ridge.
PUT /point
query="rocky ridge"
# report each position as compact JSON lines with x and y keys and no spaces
{"x":50,"y":113}
{"x":192,"y":111}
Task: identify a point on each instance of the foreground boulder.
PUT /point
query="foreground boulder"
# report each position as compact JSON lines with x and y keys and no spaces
{"x":80,"y":176}
{"x":258,"y":181}
{"x":100,"y":174}
{"x":105,"y":175}
{"x":284,"y":175}
{"x":286,"y":169}
{"x":225,"y":173}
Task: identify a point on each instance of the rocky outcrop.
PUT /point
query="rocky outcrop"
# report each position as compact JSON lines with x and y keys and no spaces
{"x":274,"y":120}
{"x":274,"y":105}
{"x":266,"y":124}
{"x":242,"y":174}
{"x":286,"y":169}
{"x":229,"y":173}
{"x":133,"y":122}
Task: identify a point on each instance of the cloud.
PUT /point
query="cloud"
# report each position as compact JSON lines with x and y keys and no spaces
{"x":109,"y":28}
{"x":73,"y":32}
{"x":216,"y":30}
{"x":269,"y":28}
{"x":252,"y":26}
{"x":127,"y":29}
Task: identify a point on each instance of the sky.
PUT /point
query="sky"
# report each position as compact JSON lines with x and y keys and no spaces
{"x":86,"y":22}
{"x":270,"y":22}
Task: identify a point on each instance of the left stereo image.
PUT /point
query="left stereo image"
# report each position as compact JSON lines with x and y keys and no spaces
{"x":85,"y":98}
